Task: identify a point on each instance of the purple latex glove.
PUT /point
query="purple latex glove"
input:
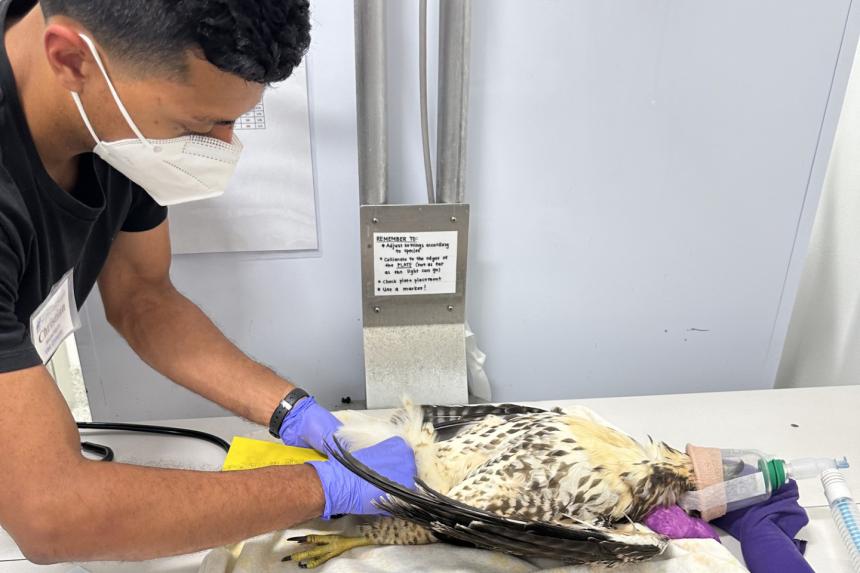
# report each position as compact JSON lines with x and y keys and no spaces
{"x":346,"y":493}
{"x":308,"y":425}
{"x":675,"y":523}
{"x":766,"y":532}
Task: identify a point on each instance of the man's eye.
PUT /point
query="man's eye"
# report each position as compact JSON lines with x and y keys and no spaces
{"x":195,"y":131}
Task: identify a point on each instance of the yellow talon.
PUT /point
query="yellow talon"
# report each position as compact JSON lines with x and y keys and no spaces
{"x":327,"y":547}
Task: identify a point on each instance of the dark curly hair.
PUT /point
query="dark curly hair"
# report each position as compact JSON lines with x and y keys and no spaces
{"x":258,"y":40}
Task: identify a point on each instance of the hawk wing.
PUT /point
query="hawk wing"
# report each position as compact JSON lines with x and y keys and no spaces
{"x":450,"y":519}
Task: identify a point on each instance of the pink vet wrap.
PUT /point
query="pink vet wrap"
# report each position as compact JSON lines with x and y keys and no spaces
{"x":708,"y":465}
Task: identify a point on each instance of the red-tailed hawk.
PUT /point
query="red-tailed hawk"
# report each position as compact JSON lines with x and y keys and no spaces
{"x":562,"y":484}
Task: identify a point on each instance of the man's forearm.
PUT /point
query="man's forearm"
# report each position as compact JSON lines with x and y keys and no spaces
{"x":123,"y":512}
{"x":171,"y":334}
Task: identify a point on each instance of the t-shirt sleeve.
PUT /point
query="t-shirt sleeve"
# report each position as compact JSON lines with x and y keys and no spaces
{"x":16,"y":350}
{"x":144,"y":213}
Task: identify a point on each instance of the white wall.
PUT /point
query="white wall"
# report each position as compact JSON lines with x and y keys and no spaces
{"x":643,"y":177}
{"x":638,"y":171}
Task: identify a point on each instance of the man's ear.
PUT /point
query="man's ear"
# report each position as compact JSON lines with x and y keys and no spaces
{"x":69,"y":56}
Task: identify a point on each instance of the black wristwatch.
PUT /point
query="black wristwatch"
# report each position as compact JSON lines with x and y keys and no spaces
{"x":285,"y":406}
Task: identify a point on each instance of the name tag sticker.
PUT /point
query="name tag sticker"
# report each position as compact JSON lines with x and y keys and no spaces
{"x":55,"y":319}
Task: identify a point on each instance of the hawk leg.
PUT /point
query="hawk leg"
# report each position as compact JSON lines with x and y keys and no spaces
{"x":383,"y":531}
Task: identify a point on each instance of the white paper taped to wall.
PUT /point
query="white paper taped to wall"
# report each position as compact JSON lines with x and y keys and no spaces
{"x":270,"y":204}
{"x":415,"y":263}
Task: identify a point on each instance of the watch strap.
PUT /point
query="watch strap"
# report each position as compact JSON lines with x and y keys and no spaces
{"x":285,"y":406}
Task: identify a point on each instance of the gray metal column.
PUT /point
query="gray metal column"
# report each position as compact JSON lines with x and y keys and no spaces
{"x":370,"y":80}
{"x":413,"y":256}
{"x":453,"y":96}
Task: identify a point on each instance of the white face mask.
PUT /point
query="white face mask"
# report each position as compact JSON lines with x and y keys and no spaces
{"x":172,"y":171}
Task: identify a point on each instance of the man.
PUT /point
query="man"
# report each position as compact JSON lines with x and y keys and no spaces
{"x":109,"y":111}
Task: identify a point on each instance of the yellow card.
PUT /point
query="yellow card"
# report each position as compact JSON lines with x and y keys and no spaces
{"x":247,"y":454}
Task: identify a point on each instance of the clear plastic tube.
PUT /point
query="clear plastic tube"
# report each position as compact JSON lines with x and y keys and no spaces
{"x":844,"y":511}
{"x":813,"y":467}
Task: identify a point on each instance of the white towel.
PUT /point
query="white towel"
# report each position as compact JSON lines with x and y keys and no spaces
{"x":263,"y":555}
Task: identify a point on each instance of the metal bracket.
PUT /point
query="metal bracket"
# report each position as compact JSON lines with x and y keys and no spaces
{"x":413,"y":294}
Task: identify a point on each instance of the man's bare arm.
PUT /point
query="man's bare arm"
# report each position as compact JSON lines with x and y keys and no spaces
{"x":58,"y":506}
{"x":175,"y":337}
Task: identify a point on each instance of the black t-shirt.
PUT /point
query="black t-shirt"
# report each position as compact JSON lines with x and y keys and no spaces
{"x":46,"y":231}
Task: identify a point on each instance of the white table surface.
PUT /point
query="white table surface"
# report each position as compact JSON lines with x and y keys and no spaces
{"x":787,"y":423}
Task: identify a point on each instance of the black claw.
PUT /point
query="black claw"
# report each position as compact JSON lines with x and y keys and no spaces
{"x":300,"y":538}
{"x":303,"y":565}
{"x":287,"y":558}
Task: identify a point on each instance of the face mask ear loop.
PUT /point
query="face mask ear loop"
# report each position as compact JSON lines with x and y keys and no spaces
{"x":115,"y":95}
{"x":77,"y":100}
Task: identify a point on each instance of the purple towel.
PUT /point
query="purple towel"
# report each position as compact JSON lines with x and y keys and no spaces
{"x":766,"y":532}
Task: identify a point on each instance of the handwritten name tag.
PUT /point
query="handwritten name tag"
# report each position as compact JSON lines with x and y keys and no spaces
{"x":55,"y":319}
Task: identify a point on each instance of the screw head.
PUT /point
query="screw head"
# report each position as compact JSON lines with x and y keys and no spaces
{"x":375,"y":220}
{"x":377,"y":309}
{"x":450,"y":308}
{"x":453,"y":219}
